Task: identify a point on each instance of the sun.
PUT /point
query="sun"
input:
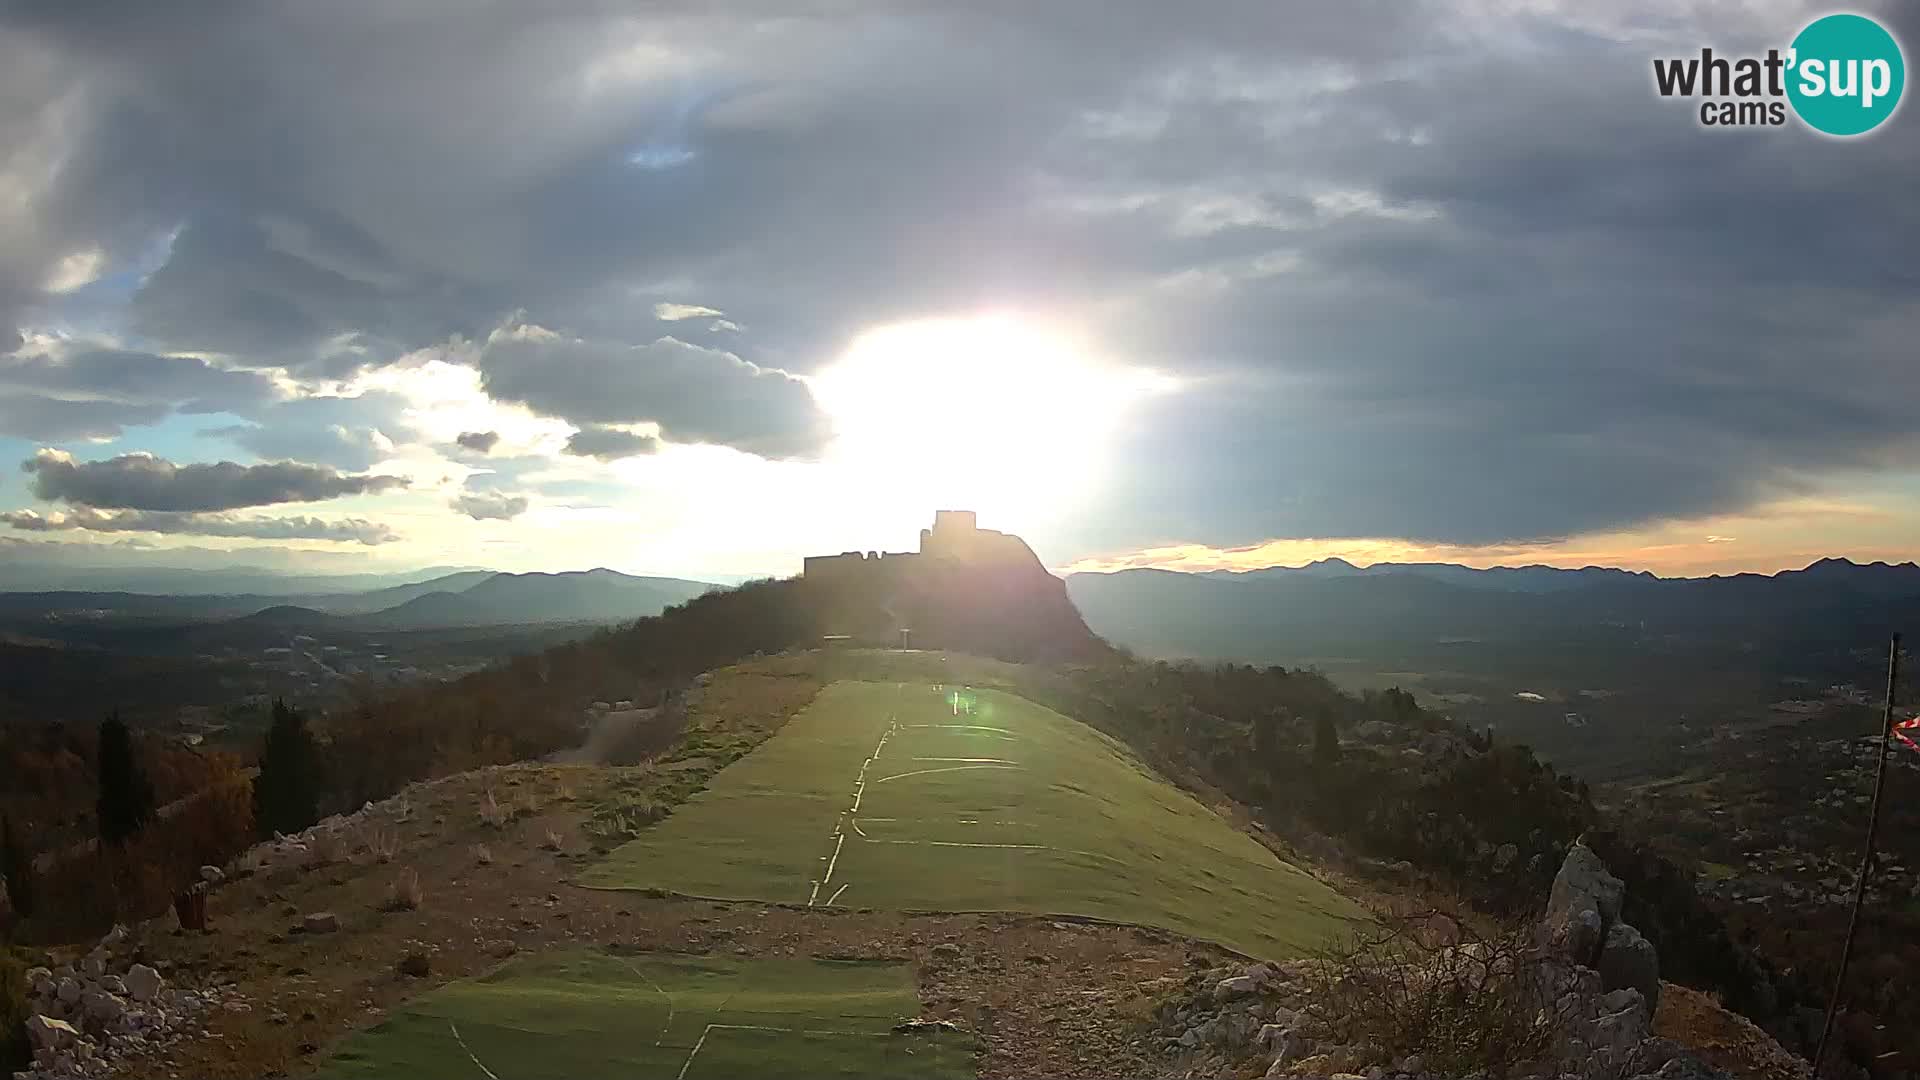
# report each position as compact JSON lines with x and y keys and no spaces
{"x":994,"y":412}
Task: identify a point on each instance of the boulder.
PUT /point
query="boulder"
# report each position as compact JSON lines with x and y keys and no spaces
{"x":143,"y":982}
{"x":1629,"y":960}
{"x":101,"y":1007}
{"x":1616,"y":1036}
{"x":1234,"y":987}
{"x":50,"y":1036}
{"x":68,"y":990}
{"x":1584,"y":902}
{"x":320,"y":922}
{"x":212,"y":875}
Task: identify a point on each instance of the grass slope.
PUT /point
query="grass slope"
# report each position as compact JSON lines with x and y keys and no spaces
{"x":979,"y":801}
{"x":659,"y":1017}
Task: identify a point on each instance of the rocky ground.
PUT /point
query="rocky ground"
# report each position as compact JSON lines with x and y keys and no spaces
{"x":318,"y":935}
{"x":311,"y":938}
{"x":1576,"y":998}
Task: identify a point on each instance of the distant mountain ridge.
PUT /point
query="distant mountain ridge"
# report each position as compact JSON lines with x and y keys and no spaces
{"x":1334,"y":608}
{"x":462,"y":598}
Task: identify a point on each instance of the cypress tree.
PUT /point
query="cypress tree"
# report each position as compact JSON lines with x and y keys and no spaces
{"x":126,"y":801}
{"x":286,"y":794}
{"x":16,"y":863}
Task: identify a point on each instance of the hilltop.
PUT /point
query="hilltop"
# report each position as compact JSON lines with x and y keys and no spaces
{"x":1009,"y":850}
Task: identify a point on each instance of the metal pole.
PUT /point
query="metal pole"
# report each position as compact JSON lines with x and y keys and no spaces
{"x":1866,"y":860}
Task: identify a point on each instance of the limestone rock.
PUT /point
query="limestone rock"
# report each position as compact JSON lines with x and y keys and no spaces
{"x":1236,"y":986}
{"x":1628,"y":960}
{"x":1584,"y":902}
{"x":143,"y":982}
{"x":50,"y":1035}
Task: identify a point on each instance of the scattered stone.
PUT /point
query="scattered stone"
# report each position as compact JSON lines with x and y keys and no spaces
{"x":49,"y":1035}
{"x":416,"y":965}
{"x":143,"y":982}
{"x":320,"y":922}
{"x":1235,"y":987}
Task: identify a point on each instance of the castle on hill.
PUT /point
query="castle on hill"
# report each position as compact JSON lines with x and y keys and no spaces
{"x":956,"y":535}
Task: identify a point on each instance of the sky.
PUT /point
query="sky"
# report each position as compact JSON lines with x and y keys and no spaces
{"x":700,"y":289}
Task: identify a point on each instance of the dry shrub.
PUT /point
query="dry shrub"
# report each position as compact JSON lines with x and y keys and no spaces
{"x":554,"y":841}
{"x":1486,"y":1003}
{"x":492,"y":814}
{"x":482,"y":854}
{"x":526,"y":805}
{"x":82,"y":896}
{"x":382,"y":844}
{"x":566,"y":792}
{"x":406,"y":895}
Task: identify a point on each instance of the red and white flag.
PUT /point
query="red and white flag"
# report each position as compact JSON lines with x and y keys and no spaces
{"x":1900,"y":731}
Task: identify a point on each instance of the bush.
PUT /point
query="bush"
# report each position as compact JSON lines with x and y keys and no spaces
{"x":15,"y":1052}
{"x":407,"y":895}
{"x":1483,"y":1003}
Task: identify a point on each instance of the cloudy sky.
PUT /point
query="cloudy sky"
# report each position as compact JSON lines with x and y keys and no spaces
{"x":699,"y":289}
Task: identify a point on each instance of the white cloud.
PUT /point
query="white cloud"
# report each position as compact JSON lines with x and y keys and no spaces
{"x":670,"y":312}
{"x":75,"y":270}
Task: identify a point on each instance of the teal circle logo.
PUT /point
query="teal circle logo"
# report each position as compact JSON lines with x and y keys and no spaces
{"x":1846,"y":74}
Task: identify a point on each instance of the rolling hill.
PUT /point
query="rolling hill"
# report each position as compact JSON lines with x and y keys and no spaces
{"x":463,"y":598}
{"x":580,"y":596}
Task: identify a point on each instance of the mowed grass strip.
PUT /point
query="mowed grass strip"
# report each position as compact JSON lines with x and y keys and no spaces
{"x":648,"y":1016}
{"x":991,"y":804}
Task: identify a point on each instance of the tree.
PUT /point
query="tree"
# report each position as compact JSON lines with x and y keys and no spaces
{"x":16,"y":863}
{"x":126,"y":794}
{"x":286,"y":794}
{"x":1326,"y":741}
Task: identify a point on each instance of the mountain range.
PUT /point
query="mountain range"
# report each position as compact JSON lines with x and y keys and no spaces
{"x":1394,"y":610}
{"x":461,"y":598}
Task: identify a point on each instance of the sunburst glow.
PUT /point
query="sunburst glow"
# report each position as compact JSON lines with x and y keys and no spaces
{"x":993,"y":412}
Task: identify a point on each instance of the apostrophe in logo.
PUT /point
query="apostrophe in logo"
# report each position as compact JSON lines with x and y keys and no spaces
{"x":1847,"y":74}
{"x":1842,"y":75}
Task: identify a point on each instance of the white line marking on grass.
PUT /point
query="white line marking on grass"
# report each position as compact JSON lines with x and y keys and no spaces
{"x":470,"y":1057}
{"x":971,"y":760}
{"x":831,"y":900}
{"x":663,"y":993}
{"x":839,"y":838}
{"x":964,"y":727}
{"x":710,"y":1028}
{"x":840,"y":823}
{"x":950,"y":768}
{"x":695,"y":1052}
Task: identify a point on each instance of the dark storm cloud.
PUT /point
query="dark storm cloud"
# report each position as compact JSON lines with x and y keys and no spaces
{"x":696,"y":395}
{"x":480,"y":442}
{"x":490,"y":505}
{"x":1431,"y":271}
{"x":145,"y":482}
{"x":610,"y":444}
{"x":73,"y":390}
{"x":347,"y":530}
{"x":351,"y":433}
